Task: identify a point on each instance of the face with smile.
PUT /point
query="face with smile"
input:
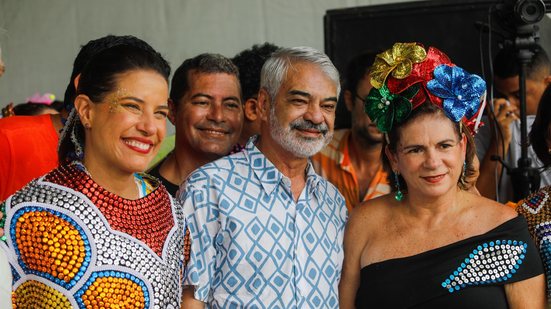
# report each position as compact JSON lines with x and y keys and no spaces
{"x":209,"y":117}
{"x":361,"y":124}
{"x":302,"y":116}
{"x":430,"y":161}
{"x":125,"y":130}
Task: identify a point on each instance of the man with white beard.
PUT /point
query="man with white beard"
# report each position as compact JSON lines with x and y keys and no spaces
{"x":266,"y":230}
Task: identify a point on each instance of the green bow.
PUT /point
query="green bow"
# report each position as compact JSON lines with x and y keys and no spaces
{"x":386,"y":108}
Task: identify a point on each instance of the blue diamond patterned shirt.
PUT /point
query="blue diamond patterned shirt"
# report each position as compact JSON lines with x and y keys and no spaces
{"x":252,"y":245}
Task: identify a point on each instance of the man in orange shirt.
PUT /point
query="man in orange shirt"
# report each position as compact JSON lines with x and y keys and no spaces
{"x":352,"y":160}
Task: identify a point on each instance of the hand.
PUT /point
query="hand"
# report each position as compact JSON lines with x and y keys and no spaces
{"x":505,"y":114}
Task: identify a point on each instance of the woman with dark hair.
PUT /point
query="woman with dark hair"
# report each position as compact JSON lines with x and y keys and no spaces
{"x":432,"y":244}
{"x":537,"y":207}
{"x":96,"y":232}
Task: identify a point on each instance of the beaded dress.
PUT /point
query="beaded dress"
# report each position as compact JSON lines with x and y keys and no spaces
{"x":73,"y":244}
{"x":470,"y":273}
{"x":537,"y":210}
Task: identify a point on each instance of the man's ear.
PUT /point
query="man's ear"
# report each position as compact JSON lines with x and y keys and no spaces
{"x":547,"y":80}
{"x":251,"y":109}
{"x":263,"y":104}
{"x":348,"y":100}
{"x":172,"y":111}
{"x":85,"y":109}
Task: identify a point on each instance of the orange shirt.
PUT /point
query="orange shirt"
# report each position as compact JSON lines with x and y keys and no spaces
{"x":28,"y":149}
{"x":333,"y":163}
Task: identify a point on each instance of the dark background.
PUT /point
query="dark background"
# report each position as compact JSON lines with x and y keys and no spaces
{"x":449,"y":25}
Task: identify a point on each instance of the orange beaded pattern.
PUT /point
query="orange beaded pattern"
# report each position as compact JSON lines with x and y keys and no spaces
{"x":187,"y":247}
{"x":49,"y":244}
{"x":61,"y":244}
{"x":112,"y":292}
{"x":34,"y":294}
{"x":148,"y":219}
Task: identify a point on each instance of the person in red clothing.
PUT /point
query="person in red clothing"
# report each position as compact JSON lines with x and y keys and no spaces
{"x":28,"y":145}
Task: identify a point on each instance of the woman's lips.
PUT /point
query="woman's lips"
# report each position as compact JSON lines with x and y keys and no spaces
{"x":139,"y":146}
{"x":434,"y":179}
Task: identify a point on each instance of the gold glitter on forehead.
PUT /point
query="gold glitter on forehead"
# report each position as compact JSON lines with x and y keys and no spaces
{"x":114,"y":98}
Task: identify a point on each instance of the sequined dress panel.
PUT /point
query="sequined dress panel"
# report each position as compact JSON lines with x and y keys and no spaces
{"x":537,"y":210}
{"x":470,"y":273}
{"x":73,"y":244}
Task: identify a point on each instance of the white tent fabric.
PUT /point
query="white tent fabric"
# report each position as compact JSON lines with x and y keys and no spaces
{"x":40,"y":39}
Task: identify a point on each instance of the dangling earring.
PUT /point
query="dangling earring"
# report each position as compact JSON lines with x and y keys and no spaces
{"x":463,"y":177}
{"x":78,"y":148}
{"x":399,"y":195}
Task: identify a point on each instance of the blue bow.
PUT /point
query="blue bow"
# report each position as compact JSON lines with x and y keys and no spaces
{"x":459,"y":90}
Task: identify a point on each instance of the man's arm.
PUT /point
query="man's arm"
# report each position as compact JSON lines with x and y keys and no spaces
{"x":499,"y":145}
{"x":189,"y":302}
{"x":203,"y":228}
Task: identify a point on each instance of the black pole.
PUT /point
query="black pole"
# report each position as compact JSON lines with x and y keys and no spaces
{"x":525,"y":178}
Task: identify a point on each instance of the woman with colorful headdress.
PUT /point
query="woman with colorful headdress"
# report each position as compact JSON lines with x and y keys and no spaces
{"x":96,"y":232}
{"x":431,"y":243}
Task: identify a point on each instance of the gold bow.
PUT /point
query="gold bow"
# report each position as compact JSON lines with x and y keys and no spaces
{"x":399,"y":61}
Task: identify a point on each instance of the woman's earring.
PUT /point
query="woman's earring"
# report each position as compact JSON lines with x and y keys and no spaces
{"x":463,"y":178}
{"x":399,"y":195}
{"x":76,"y":143}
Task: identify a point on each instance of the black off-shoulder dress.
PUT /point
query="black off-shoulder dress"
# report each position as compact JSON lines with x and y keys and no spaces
{"x":470,"y":273}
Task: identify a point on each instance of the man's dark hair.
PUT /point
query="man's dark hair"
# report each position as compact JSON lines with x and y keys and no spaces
{"x":30,"y":109}
{"x":249,"y":62}
{"x":204,"y":63}
{"x":86,"y":53}
{"x":356,"y":69}
{"x":506,"y":63}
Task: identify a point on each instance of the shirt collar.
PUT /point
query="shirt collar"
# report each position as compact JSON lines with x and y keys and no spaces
{"x":268,"y":175}
{"x":313,"y":180}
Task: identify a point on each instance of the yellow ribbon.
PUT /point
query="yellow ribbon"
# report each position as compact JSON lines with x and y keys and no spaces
{"x":398,"y":60}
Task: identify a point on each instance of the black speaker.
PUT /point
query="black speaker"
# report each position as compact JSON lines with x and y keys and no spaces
{"x":460,"y":28}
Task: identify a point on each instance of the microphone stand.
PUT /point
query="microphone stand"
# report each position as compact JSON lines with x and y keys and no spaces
{"x":525,"y":179}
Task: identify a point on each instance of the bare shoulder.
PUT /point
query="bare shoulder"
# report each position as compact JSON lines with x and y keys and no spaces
{"x":363,"y":223}
{"x":490,"y":212}
{"x":370,"y":214}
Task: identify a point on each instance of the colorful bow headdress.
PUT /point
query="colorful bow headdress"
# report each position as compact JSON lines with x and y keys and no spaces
{"x":46,"y":98}
{"x":407,"y":75}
